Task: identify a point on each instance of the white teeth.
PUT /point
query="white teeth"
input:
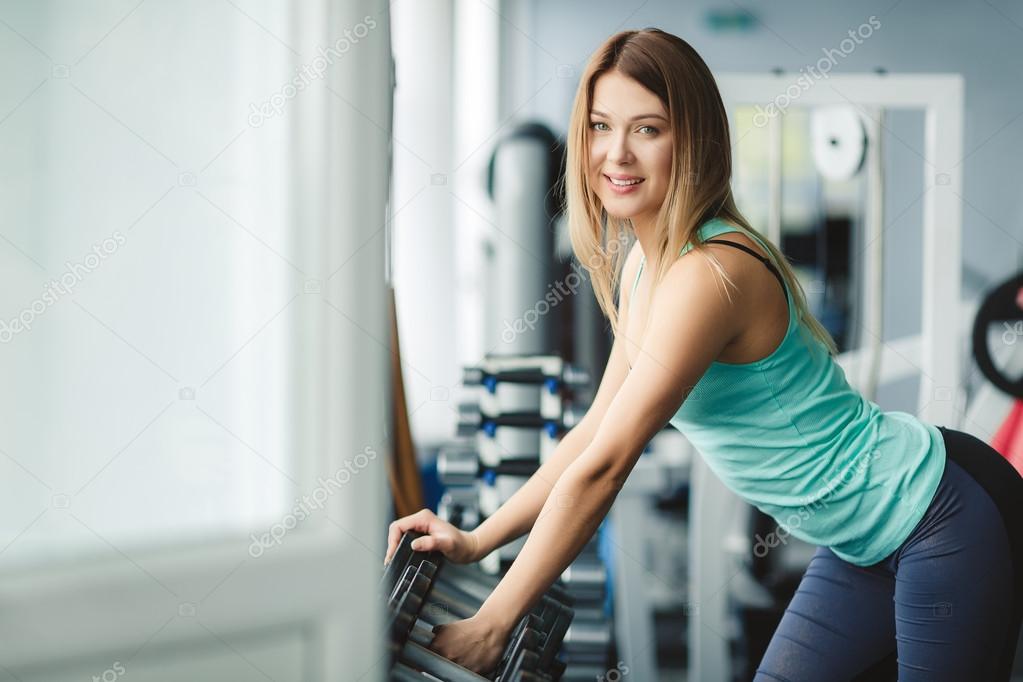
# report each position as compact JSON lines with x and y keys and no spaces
{"x":623,"y":183}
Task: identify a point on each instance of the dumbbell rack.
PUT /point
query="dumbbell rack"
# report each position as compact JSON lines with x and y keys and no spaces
{"x":519,"y":395}
{"x":422,"y":590}
{"x":510,"y":429}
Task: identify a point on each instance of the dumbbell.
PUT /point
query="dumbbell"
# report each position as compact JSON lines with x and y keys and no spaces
{"x":439,"y":602}
{"x":587,"y":637}
{"x":409,"y":641}
{"x":404,"y":556}
{"x":552,"y":625}
{"x":530,"y":649}
{"x":472,"y":419}
{"x":522,"y":653}
{"x":462,"y":466}
{"x":467,"y":583}
{"x":464,"y":592}
{"x":559,"y":374}
{"x":442,"y":602}
{"x":533,"y":643}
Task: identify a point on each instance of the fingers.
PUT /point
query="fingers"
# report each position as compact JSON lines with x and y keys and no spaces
{"x":420,"y":521}
{"x":393,"y":535}
{"x":429,"y":543}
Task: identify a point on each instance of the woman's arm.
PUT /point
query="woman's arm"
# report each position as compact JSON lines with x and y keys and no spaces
{"x":516,"y":517}
{"x":690,"y":324}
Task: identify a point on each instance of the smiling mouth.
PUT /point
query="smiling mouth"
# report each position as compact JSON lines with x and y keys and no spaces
{"x":623,"y":187}
{"x":624,"y":183}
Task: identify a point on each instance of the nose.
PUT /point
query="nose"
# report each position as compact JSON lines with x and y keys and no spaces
{"x":618,"y":151}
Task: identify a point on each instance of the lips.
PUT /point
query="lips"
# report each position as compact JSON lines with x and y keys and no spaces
{"x":632,"y":180}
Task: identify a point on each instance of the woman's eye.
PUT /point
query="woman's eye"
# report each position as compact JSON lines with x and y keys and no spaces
{"x":594,"y":125}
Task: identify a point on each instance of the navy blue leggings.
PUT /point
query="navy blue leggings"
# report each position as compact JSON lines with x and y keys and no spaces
{"x":945,"y":605}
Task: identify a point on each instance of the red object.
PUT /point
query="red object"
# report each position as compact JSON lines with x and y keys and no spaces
{"x":1009,"y":438}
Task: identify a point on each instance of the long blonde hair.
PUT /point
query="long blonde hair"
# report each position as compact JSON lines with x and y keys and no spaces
{"x":699,"y":187}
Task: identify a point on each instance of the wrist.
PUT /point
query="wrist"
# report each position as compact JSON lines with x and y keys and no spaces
{"x":500,"y":622}
{"x":477,"y":545}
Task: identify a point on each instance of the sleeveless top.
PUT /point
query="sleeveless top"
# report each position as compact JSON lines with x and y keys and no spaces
{"x":789,"y":436}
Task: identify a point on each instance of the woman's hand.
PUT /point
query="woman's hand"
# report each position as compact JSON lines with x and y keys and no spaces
{"x":454,"y":543}
{"x":475,"y":643}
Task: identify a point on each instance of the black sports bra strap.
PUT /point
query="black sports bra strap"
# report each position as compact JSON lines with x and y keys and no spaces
{"x":765,"y":261}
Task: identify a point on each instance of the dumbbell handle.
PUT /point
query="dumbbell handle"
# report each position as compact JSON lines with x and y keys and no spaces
{"x":524,"y":467}
{"x":463,"y":467}
{"x":571,"y":376}
{"x":469,"y":422}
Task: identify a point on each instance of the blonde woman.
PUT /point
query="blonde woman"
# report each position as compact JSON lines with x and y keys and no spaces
{"x":918,"y":527}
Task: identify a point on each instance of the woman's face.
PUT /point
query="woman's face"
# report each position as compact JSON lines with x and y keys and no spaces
{"x":630,"y":138}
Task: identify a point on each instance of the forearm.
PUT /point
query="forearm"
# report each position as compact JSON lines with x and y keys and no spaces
{"x":569,"y":517}
{"x":516,"y":517}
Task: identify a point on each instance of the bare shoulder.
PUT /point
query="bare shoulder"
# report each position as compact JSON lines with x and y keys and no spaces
{"x":740,"y":237}
{"x":691,"y":302}
{"x":737,"y":264}
{"x":692,"y":283}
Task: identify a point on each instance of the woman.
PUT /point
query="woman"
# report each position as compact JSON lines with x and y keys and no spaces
{"x":917,"y":527}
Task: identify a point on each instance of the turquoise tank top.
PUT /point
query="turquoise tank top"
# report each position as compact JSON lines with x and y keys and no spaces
{"x":789,"y":436}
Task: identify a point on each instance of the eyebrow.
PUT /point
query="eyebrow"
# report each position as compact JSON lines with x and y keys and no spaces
{"x":634,"y":118}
